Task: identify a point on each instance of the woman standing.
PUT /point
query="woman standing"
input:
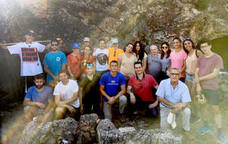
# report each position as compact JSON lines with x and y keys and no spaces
{"x":191,"y":63}
{"x":178,"y":57}
{"x":126,"y":62}
{"x":165,"y":59}
{"x":87,"y":58}
{"x":140,"y":53}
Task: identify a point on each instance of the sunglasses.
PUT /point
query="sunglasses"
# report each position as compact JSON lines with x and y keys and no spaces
{"x":188,"y":38}
{"x":164,"y":47}
{"x":89,"y":64}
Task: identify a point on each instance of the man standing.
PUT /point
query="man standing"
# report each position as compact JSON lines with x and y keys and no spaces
{"x":140,"y":90}
{"x":101,"y":55}
{"x":154,"y":63}
{"x":206,"y":78}
{"x":39,"y":99}
{"x":54,"y":61}
{"x":74,"y":61}
{"x":66,"y":96}
{"x":109,"y":88}
{"x":174,"y":97}
{"x":114,"y":51}
{"x":28,"y":52}
{"x":86,"y":42}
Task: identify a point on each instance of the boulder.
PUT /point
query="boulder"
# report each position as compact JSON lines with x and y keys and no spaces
{"x":86,"y":132}
{"x":155,"y":136}
{"x":58,"y":131}
{"x":108,"y":133}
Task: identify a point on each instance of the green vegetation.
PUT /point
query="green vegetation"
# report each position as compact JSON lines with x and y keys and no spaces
{"x":202,"y":4}
{"x":220,"y":46}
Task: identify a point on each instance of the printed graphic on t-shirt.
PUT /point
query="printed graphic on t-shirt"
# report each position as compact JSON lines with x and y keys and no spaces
{"x":29,"y":54}
{"x":58,"y":59}
{"x":102,"y":59}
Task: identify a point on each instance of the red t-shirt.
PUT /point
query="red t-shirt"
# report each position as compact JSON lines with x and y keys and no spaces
{"x":143,"y":88}
{"x":74,"y":63}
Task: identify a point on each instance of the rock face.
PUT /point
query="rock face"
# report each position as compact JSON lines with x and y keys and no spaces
{"x":86,"y":132}
{"x":151,"y":21}
{"x":59,"y":131}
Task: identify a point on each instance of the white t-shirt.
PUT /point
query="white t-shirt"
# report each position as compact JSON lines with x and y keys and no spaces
{"x":30,"y":61}
{"x":66,"y":91}
{"x":101,"y":59}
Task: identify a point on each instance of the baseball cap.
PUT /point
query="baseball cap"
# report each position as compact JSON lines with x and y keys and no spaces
{"x":30,"y":32}
{"x":86,"y":39}
{"x":75,"y":45}
{"x":115,"y":40}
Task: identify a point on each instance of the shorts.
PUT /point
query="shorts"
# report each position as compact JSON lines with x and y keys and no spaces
{"x":189,"y":77}
{"x":212,"y":96}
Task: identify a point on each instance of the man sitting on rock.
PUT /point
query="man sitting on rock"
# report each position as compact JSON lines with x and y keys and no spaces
{"x":66,"y":97}
{"x":140,"y":90}
{"x":174,"y":97}
{"x":109,"y":88}
{"x":38,"y":100}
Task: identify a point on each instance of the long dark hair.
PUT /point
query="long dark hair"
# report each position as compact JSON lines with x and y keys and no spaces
{"x":193,"y":45}
{"x":141,"y":51}
{"x":168,"y":52}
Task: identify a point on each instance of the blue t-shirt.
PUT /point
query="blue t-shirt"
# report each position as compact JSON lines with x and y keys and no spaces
{"x":112,"y":84}
{"x":54,"y":61}
{"x":177,"y":95}
{"x":42,"y":96}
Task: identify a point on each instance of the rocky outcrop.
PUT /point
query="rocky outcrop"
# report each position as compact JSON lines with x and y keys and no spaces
{"x":59,"y":131}
{"x":151,"y":21}
{"x":155,"y":136}
{"x":86,"y":132}
{"x":108,"y":133}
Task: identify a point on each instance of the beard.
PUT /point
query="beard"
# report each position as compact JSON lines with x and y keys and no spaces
{"x":39,"y":86}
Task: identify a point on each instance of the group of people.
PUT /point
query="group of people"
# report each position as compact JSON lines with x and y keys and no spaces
{"x":93,"y":80}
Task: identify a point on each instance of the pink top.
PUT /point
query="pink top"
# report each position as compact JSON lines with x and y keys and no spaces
{"x":191,"y":63}
{"x":177,"y":59}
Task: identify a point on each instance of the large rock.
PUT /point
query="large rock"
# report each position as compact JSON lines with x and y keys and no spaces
{"x":109,"y":134}
{"x":155,"y":136}
{"x":86,"y":132}
{"x":51,"y":132}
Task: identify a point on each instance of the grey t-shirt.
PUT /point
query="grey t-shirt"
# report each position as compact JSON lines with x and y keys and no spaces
{"x":165,"y":63}
{"x":154,"y":65}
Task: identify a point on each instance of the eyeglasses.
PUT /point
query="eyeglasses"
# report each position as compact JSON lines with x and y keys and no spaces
{"x":174,"y":74}
{"x":188,"y":38}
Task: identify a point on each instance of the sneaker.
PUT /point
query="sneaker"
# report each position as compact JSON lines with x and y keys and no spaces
{"x":222,"y":139}
{"x":204,"y":130}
